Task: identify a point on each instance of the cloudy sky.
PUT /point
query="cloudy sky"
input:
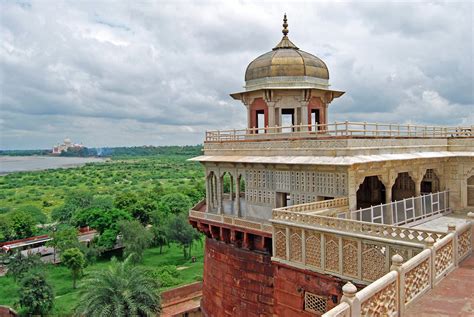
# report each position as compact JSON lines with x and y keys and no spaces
{"x":111,"y":73}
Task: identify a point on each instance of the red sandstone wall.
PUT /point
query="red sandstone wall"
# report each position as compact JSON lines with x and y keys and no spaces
{"x":291,"y":283}
{"x":236,"y":282}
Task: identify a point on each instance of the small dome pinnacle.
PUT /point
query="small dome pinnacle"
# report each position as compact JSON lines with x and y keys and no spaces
{"x":285,"y":26}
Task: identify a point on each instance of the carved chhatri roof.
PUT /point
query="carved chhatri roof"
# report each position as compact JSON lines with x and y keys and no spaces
{"x":286,"y":60}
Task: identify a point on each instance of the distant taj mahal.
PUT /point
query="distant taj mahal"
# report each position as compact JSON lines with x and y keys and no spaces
{"x":66,"y":146}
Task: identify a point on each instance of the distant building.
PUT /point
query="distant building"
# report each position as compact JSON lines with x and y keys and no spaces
{"x":67,"y":145}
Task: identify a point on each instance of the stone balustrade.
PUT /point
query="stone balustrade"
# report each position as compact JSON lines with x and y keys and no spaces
{"x":343,"y":129}
{"x":358,"y":257}
{"x":393,"y":293}
{"x":230,"y":220}
{"x":339,"y":203}
{"x":354,"y":227}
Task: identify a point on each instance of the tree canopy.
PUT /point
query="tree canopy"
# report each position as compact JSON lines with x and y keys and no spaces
{"x":74,"y":260}
{"x":180,"y":231}
{"x":135,"y":239}
{"x":36,"y":295}
{"x":175,"y":203}
{"x":22,"y":225}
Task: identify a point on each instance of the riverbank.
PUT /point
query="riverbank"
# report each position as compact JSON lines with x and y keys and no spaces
{"x":11,"y":164}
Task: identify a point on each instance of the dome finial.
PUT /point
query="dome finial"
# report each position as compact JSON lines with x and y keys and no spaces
{"x":285,"y":25}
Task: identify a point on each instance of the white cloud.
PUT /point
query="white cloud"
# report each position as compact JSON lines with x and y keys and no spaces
{"x":131,"y":73}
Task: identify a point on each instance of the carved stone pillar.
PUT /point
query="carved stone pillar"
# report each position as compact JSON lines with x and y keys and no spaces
{"x":237,"y":196}
{"x":249,"y":117}
{"x":271,"y":114}
{"x":231,"y":187}
{"x":220,"y":196}
{"x":388,"y":200}
{"x":304,"y":115}
{"x":214,"y":192}
{"x":418,"y":205}
{"x":208,"y":195}
{"x":388,"y":181}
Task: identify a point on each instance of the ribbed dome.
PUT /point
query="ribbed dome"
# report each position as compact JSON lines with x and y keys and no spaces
{"x":286,"y":60}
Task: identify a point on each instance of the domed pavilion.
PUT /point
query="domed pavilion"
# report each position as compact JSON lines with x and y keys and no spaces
{"x":286,"y":87}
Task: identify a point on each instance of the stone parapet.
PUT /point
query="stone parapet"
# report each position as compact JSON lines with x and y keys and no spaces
{"x":337,"y":146}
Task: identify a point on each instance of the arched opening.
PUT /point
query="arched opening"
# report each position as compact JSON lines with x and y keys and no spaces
{"x":228,"y":192}
{"x":404,"y":187}
{"x":211,"y":192}
{"x":430,"y":182}
{"x":470,"y":191}
{"x":240,"y":202}
{"x":228,"y":186}
{"x":371,"y":192}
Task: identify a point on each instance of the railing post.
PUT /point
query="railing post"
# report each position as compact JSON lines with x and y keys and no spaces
{"x":347,"y":127}
{"x":452,"y":229}
{"x":365,"y":128}
{"x":429,"y":243}
{"x":397,"y":261}
{"x":349,"y":291}
{"x":376,"y":129}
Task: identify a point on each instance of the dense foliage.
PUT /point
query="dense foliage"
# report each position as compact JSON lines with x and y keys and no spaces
{"x":19,"y":265}
{"x":135,"y":239}
{"x":137,"y":202}
{"x":36,"y":295}
{"x":121,"y":290}
{"x":138,"y":185}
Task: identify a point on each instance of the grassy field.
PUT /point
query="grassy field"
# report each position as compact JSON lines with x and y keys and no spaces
{"x":66,"y":297}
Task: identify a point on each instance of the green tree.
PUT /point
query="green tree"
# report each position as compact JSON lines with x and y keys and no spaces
{"x":159,"y":229}
{"x":107,"y":239}
{"x":6,"y":231}
{"x":36,"y":213}
{"x":125,"y":200}
{"x":139,"y":206}
{"x":74,"y":260}
{"x":103,"y":202}
{"x":64,"y":238}
{"x":79,"y":199}
{"x":135,"y":238}
{"x":175,"y":203}
{"x":36,"y":295}
{"x":74,"y":200}
{"x":121,"y":290}
{"x":100,"y":219}
{"x":20,"y":265}
{"x":181,"y":232}
{"x":63,"y":214}
{"x":22,"y":225}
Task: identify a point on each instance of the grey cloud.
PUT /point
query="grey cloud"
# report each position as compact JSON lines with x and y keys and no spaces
{"x":128,"y":73}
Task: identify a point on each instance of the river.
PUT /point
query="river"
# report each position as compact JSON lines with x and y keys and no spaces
{"x":10,"y":164}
